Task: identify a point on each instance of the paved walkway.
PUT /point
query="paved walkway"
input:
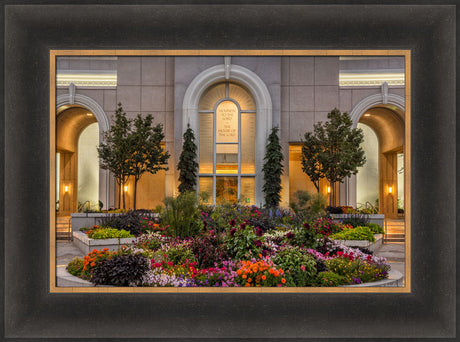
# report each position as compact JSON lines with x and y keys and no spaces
{"x":65,"y":252}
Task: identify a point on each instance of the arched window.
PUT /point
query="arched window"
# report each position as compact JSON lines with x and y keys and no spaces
{"x":227,"y":131}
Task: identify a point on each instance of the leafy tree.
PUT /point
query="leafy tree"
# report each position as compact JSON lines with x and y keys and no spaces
{"x":273,"y":169}
{"x":114,"y":151}
{"x":146,"y":153}
{"x":333,"y":150}
{"x":187,"y":162}
{"x":311,"y":161}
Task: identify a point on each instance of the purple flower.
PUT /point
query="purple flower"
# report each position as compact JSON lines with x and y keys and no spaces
{"x":242,"y":226}
{"x":290,"y":235}
{"x":258,"y":243}
{"x":232,"y":223}
{"x":306,"y":225}
{"x":212,"y":232}
{"x":232,"y":231}
{"x":259,"y":231}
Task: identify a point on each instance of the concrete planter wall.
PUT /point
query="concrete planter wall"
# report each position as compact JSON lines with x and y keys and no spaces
{"x":372,"y":246}
{"x":81,"y":220}
{"x":373,"y":218}
{"x":86,"y":244}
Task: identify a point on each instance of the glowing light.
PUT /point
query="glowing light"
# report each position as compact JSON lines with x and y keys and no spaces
{"x":367,"y":114}
{"x":126,"y":188}
{"x":66,"y":188}
{"x":390,"y":189}
{"x":328,"y":189}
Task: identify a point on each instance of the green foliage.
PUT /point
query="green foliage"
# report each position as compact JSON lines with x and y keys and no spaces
{"x":329,"y":279}
{"x":332,"y":150}
{"x":130,"y":221}
{"x":242,"y":243}
{"x":209,"y":250}
{"x":109,"y":233}
{"x":305,"y":236}
{"x":358,"y":233}
{"x":179,"y":253}
{"x":309,"y":206}
{"x":357,"y":220}
{"x":121,"y":270}
{"x":75,"y":267}
{"x":375,"y":228}
{"x":357,"y":271}
{"x":298,"y":265}
{"x":188,"y":165}
{"x":180,"y":216}
{"x":115,"y":149}
{"x":273,"y":169}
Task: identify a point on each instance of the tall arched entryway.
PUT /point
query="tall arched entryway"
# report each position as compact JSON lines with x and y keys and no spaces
{"x":385,"y":117}
{"x":230,"y":88}
{"x":77,"y":114}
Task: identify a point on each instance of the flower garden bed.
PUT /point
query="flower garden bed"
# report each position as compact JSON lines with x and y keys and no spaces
{"x":230,"y":247}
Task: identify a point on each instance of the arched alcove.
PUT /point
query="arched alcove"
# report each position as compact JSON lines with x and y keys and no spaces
{"x":384,"y":113}
{"x":72,"y":117}
{"x":258,"y":90}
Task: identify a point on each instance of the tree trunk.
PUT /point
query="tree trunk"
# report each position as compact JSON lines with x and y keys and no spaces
{"x":119,"y":196}
{"x":135,"y":192}
{"x":123,"y":190}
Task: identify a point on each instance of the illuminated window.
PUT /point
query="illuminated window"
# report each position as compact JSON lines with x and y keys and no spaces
{"x":227,"y":144}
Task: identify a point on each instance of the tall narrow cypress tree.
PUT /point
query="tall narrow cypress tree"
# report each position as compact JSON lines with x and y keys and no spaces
{"x":188,"y":165}
{"x":273,"y":169}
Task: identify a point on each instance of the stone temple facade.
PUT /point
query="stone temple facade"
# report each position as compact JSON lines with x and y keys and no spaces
{"x":231,"y":103}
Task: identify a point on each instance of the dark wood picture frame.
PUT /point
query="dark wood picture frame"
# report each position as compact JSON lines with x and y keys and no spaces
{"x":32,"y":311}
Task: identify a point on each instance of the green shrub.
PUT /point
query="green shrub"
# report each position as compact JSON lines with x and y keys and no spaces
{"x":242,"y":242}
{"x":305,"y":236}
{"x":209,"y":250}
{"x":120,"y":270}
{"x":356,"y":271}
{"x":179,"y":253}
{"x":180,"y":216}
{"x":375,"y":228}
{"x":358,"y":233}
{"x":130,"y":221}
{"x":75,"y":267}
{"x":357,"y":220}
{"x":309,"y":206}
{"x":329,"y":279}
{"x":298,"y":265}
{"x":109,"y":233}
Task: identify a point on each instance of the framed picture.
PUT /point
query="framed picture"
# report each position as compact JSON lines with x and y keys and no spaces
{"x":278,"y":65}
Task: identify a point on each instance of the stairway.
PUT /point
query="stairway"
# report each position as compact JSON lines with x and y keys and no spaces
{"x":63,"y":228}
{"x":395,"y":231}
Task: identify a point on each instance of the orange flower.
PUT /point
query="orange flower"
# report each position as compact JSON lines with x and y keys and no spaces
{"x":249,"y":280}
{"x":247,"y":285}
{"x":244,"y":276}
{"x":283,"y":280}
{"x":271,"y":271}
{"x":239,"y":272}
{"x":264,"y":277}
{"x":276,"y":274}
{"x":93,"y":264}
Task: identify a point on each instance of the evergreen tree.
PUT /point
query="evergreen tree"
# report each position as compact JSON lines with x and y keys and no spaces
{"x":114,"y":151}
{"x":146,"y":153}
{"x":333,"y":150}
{"x":273,"y":169}
{"x":188,"y":165}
